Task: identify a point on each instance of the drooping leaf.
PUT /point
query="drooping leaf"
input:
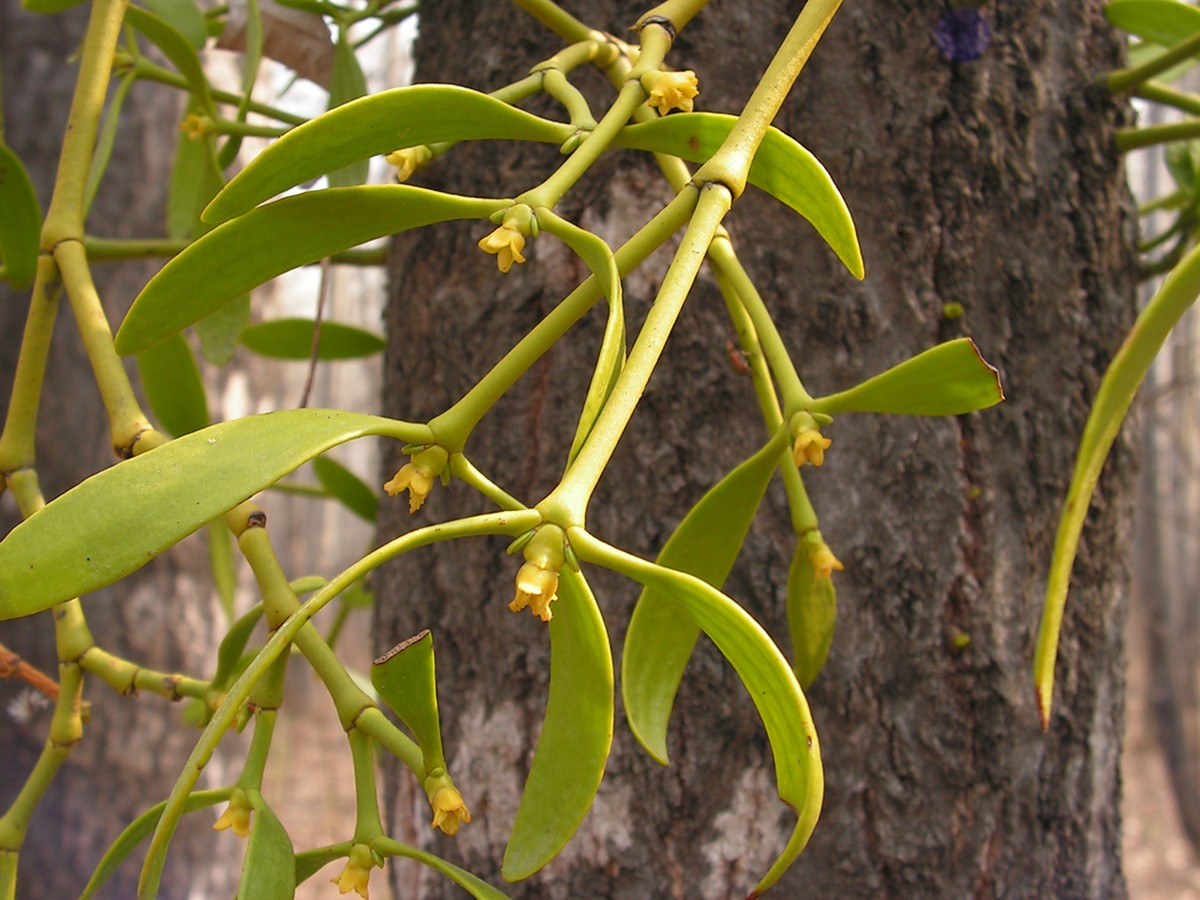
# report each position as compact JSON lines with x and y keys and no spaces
{"x":173,"y":386}
{"x":380,"y":123}
{"x":1120,"y":383}
{"x":184,"y":16}
{"x":352,"y":491}
{"x":118,"y":520}
{"x":812,"y":615}
{"x":347,"y":82}
{"x":176,"y":48}
{"x":576,"y":734}
{"x":767,"y":676}
{"x":782,"y":168}
{"x":20,"y":220}
{"x":107,"y":138}
{"x":947,"y":380}
{"x":473,"y":885}
{"x":240,"y":255}
{"x":1163,"y":22}
{"x":661,"y":635}
{"x":137,"y":831}
{"x":269,"y":866}
{"x":293,"y":339}
{"x":233,"y":645}
{"x":252,"y":54}
{"x":220,"y":561}
{"x":221,"y":329}
{"x":195,"y":179}
{"x":406,"y":681}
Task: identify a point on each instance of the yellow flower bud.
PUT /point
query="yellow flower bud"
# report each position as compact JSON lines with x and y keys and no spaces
{"x":449,"y":810}
{"x":408,"y":160}
{"x":236,"y":817}
{"x":671,"y":90}
{"x":537,"y":588}
{"x":415,"y":480}
{"x":506,"y":243}
{"x":357,"y":873}
{"x":195,"y":126}
{"x":810,"y":447}
{"x":824,"y":562}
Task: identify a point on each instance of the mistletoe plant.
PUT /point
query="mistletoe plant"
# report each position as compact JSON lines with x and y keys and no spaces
{"x":228,"y":237}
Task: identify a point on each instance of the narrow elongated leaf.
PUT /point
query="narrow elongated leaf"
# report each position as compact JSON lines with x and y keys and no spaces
{"x":310,"y":862}
{"x":473,"y":885}
{"x":20,"y":220}
{"x":1179,"y":291}
{"x":195,"y":179}
{"x":351,"y":490}
{"x":380,"y":123}
{"x":178,"y":50}
{"x":107,"y":138}
{"x":221,"y":329}
{"x":137,"y":831}
{"x":812,"y":616}
{"x":576,"y":735}
{"x":118,"y":520}
{"x":233,"y":645}
{"x":173,"y":387}
{"x":46,"y":7}
{"x":782,"y":167}
{"x":406,"y":680}
{"x":1163,"y":22}
{"x":269,"y":866}
{"x":220,"y":561}
{"x":763,"y":670}
{"x":947,"y":380}
{"x":661,"y":635}
{"x":231,"y":260}
{"x":293,"y":339}
{"x":252,"y":54}
{"x":184,"y":16}
{"x":347,"y":82}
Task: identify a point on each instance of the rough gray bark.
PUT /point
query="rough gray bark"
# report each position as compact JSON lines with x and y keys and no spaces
{"x":133,"y":748}
{"x":990,"y":184}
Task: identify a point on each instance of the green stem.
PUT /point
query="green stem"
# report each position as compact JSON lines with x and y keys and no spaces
{"x":367,"y":824}
{"x":566,"y":505}
{"x":730,"y":165}
{"x":1137,"y":138}
{"x":246,"y":129}
{"x":1128,"y":79}
{"x":255,"y":764}
{"x":557,"y":20}
{"x":677,"y":12}
{"x":150,"y":72}
{"x":64,"y":219}
{"x":453,"y":427}
{"x":1157,"y":92}
{"x":126,"y":678}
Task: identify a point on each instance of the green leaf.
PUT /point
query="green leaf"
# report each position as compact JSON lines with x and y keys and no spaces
{"x":1163,"y":22}
{"x":661,"y":636}
{"x":233,"y":645}
{"x":118,"y":520}
{"x":346,"y":83}
{"x":352,"y":491}
{"x":812,"y":615}
{"x":173,"y":387}
{"x":107,"y":138}
{"x":782,"y":168}
{"x":221,"y":329}
{"x":293,"y":339}
{"x":406,"y":681}
{"x":576,"y":734}
{"x":179,"y":50}
{"x":46,"y":7}
{"x":269,"y":866}
{"x":380,"y":123}
{"x":240,"y":255}
{"x":137,"y":831}
{"x":220,"y":560}
{"x":947,"y":380}
{"x":20,"y":220}
{"x":473,"y":885}
{"x":184,"y":16}
{"x":763,"y":670}
{"x":1179,"y":291}
{"x":195,"y":179}
{"x":310,"y":862}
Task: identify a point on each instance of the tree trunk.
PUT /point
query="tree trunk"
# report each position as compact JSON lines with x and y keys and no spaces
{"x":133,"y":747}
{"x":992,"y":184}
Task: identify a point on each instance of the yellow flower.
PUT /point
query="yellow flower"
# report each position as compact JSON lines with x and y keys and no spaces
{"x":408,"y":160}
{"x":357,"y":872}
{"x":196,"y":127}
{"x":236,"y":817}
{"x":824,"y":562}
{"x":671,"y":90}
{"x":506,"y":243}
{"x":449,"y":810}
{"x":537,"y":588}
{"x":416,"y":480}
{"x":810,"y":447}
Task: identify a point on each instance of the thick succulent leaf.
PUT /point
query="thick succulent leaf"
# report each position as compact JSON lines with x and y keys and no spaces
{"x":293,"y":339}
{"x":221,"y":329}
{"x":173,"y":387}
{"x":1163,"y":22}
{"x":576,"y":735}
{"x":812,"y":616}
{"x":118,"y":520}
{"x":661,"y":635}
{"x":240,"y":255}
{"x":347,"y":82}
{"x":1176,"y":296}
{"x":137,"y":831}
{"x":352,"y":491}
{"x":782,"y":167}
{"x":380,"y":123}
{"x":406,"y":680}
{"x":269,"y":866}
{"x":20,"y":220}
{"x":947,"y":380}
{"x":763,"y":670}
